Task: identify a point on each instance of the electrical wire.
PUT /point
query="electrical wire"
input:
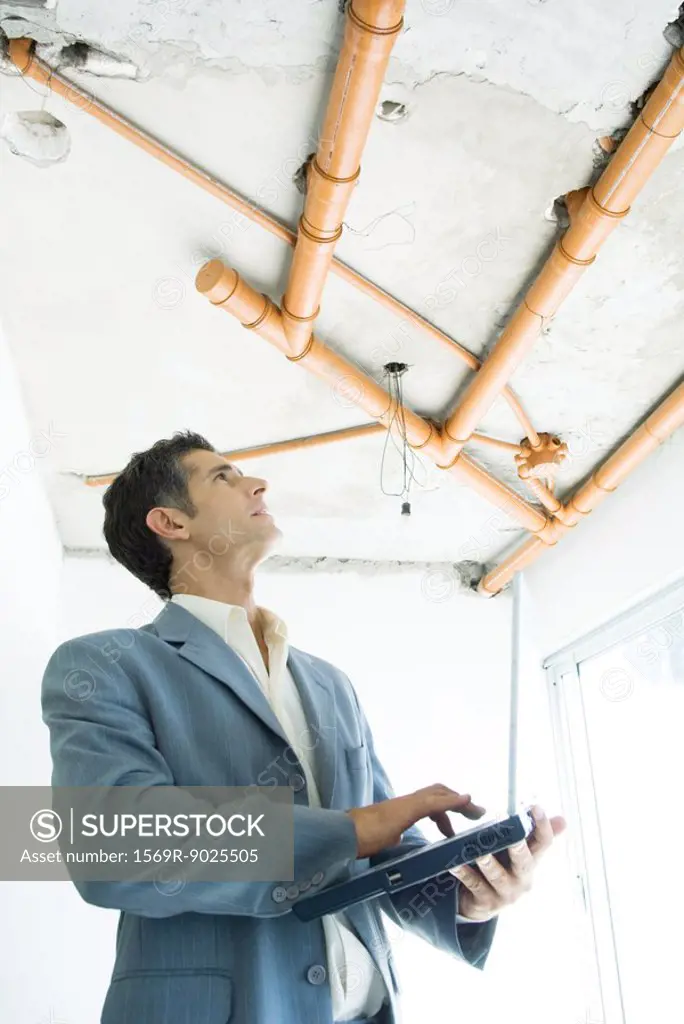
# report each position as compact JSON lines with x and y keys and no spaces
{"x":394,"y":372}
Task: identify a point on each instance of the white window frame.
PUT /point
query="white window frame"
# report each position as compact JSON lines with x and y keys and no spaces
{"x":604,"y":1002}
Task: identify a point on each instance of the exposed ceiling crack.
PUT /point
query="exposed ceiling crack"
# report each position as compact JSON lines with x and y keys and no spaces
{"x":438,"y":74}
{"x":479,"y":77}
{"x":402,"y":212}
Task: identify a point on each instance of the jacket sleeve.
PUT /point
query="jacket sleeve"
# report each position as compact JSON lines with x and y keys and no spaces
{"x":428,"y":909}
{"x":105,"y":738}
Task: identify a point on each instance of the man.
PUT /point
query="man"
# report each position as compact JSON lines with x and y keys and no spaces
{"x":211,"y":694}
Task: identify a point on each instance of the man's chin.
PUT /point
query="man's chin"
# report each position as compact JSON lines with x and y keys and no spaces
{"x":270,"y":529}
{"x":277,"y":532}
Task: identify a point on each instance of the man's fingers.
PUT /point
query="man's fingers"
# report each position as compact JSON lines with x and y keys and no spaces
{"x":522,"y":861}
{"x":472,"y":811}
{"x":434,"y":802}
{"x":443,"y":823}
{"x":496,"y":874}
{"x":544,"y":831}
{"x":474,"y":881}
{"x":445,"y":799}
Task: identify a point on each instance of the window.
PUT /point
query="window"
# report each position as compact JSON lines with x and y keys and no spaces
{"x":617,"y":700}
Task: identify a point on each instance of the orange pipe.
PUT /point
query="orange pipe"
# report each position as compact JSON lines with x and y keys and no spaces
{"x":22,"y":56}
{"x":591,"y":222}
{"x":275,"y":448}
{"x":278,"y":447}
{"x":371,"y":29}
{"x":523,"y":556}
{"x":546,"y":497}
{"x":654,"y":431}
{"x":225,"y":288}
{"x":479,"y":480}
{"x":494,"y":442}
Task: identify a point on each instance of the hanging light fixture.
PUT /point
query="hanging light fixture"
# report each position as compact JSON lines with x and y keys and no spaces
{"x":394,"y":373}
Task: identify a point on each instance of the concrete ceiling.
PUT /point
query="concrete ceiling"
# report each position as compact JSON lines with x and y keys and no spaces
{"x":504,"y":104}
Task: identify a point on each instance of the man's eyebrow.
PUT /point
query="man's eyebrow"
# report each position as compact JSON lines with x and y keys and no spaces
{"x":224,"y":466}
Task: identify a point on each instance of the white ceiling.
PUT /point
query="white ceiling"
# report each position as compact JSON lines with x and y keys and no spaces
{"x":115,"y":349}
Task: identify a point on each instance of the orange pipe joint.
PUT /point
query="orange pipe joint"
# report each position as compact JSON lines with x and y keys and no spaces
{"x":559,"y":276}
{"x":589,"y":227}
{"x":327,"y":199}
{"x":320,"y":228}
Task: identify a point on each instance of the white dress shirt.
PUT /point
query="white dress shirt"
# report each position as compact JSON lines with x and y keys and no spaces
{"x":357,"y":987}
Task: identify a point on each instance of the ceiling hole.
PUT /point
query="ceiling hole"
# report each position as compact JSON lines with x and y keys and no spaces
{"x":557,"y":212}
{"x":391,"y":110}
{"x":36,"y":136}
{"x":301,"y":175}
{"x":674,"y":32}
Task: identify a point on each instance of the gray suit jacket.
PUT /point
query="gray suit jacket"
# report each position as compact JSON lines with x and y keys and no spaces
{"x":171,"y":704}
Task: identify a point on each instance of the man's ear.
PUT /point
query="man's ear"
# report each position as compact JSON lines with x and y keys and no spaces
{"x":167,"y":523}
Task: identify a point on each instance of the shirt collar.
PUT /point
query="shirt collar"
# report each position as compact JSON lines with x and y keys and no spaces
{"x":217,"y":615}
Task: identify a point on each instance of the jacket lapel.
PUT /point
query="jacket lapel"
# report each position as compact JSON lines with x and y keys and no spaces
{"x":318,"y":702}
{"x":205,"y":648}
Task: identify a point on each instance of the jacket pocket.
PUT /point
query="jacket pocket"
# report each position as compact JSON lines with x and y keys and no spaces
{"x":161,"y":996}
{"x":356,"y":758}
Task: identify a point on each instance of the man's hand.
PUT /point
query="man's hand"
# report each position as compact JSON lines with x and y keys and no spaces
{"x":490,"y":886}
{"x":381,"y":825}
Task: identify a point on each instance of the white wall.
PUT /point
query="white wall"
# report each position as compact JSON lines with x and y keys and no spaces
{"x":628,"y":548}
{"x":433,"y":678}
{"x":30,"y":566}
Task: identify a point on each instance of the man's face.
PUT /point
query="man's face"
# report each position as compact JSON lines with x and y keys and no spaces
{"x":229,"y":505}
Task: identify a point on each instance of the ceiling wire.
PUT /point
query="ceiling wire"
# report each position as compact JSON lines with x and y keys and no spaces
{"x":394,"y":372}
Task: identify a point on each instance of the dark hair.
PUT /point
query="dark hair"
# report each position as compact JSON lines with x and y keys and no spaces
{"x":153,"y":477}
